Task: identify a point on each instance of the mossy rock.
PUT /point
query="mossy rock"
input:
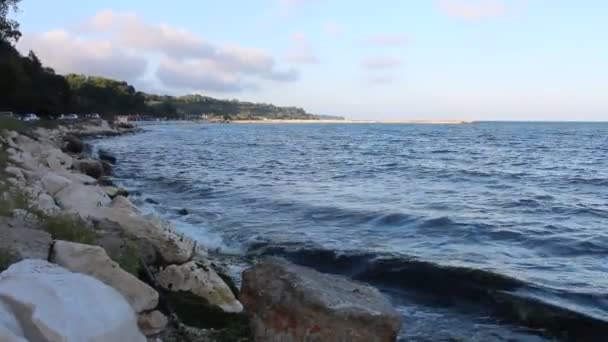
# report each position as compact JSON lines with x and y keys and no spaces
{"x":195,"y":311}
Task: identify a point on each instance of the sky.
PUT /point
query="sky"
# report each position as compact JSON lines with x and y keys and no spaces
{"x":376,"y":60}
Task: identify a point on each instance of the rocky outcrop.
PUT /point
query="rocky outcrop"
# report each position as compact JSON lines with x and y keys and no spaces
{"x":73,"y":144}
{"x":174,"y":248}
{"x":202,"y":281}
{"x":94,"y":261}
{"x":294,"y":303}
{"x":113,"y":191}
{"x":40,"y":301}
{"x":82,"y":199}
{"x":25,"y":243}
{"x":90,"y":167}
{"x":53,"y":183}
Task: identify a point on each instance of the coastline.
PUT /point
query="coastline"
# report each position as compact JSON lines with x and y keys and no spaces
{"x":420,"y":122}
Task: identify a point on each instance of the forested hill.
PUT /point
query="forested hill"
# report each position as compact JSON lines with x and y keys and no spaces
{"x":26,"y":86}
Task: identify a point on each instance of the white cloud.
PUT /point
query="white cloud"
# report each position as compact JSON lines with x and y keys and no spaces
{"x":118,"y":45}
{"x":301,"y":51}
{"x":473,"y":9}
{"x":385,"y":62}
{"x":67,"y":53}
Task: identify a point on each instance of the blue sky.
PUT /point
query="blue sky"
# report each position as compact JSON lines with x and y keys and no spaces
{"x":416,"y":59}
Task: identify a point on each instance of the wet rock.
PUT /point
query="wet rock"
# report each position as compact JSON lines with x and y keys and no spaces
{"x":113,"y":191}
{"x":151,"y":201}
{"x":202,"y":281}
{"x":108,"y":169}
{"x":52,"y":304}
{"x":90,"y":167}
{"x":152,"y":323}
{"x":73,"y":144}
{"x":183,"y":212}
{"x":106,"y":156}
{"x":295,"y":303}
{"x":25,"y":243}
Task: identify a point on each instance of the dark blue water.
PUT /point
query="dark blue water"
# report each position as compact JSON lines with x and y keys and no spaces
{"x":482,"y":232}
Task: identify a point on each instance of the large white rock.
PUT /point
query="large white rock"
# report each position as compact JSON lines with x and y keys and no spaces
{"x":53,"y":304}
{"x":94,"y":261}
{"x":82,"y":199}
{"x":57,"y":160}
{"x":10,"y":328}
{"x":46,"y":204}
{"x":200,"y":280}
{"x":173,"y":247}
{"x":25,"y":243}
{"x":53,"y":183}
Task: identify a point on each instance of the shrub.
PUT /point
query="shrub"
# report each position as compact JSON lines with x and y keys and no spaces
{"x":69,"y":228}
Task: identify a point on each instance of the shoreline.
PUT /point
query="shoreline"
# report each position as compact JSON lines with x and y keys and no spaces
{"x":418,"y":122}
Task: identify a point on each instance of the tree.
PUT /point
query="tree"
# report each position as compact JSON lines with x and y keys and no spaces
{"x":9,"y":28}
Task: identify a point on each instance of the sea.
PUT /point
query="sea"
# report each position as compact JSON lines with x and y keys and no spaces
{"x":490,"y":231}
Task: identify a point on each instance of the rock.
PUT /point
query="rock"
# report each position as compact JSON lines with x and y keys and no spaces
{"x":53,"y":183}
{"x":82,"y":199}
{"x":295,"y":303}
{"x":57,"y":160}
{"x":106,"y":156}
{"x":173,"y":248}
{"x":46,"y":204}
{"x":73,"y":144}
{"x":121,"y":202}
{"x":113,"y":191}
{"x":123,"y":247}
{"x":152,"y":323}
{"x":10,"y":328}
{"x":93,"y":261}
{"x":108,"y":169}
{"x":15,"y":172}
{"x":151,"y":201}
{"x":79,"y":178}
{"x":105,"y":181}
{"x":202,"y":281}
{"x":183,"y":212}
{"x":53,"y":304}
{"x":90,"y":167}
{"x":25,"y":243}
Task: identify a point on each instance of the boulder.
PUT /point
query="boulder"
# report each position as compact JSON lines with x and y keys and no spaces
{"x":121,"y":202}
{"x":152,"y":323}
{"x":79,"y":178}
{"x":93,"y":261}
{"x":53,"y":304}
{"x":10,"y":328}
{"x":107,"y":167}
{"x":202,"y":281}
{"x":46,"y":204}
{"x":25,"y":243}
{"x":73,"y":144}
{"x":90,"y":167}
{"x":106,"y":156}
{"x":173,"y":247}
{"x":15,"y":172}
{"x":295,"y":303}
{"x":57,"y":160}
{"x":82,"y":199}
{"x":53,"y":183}
{"x":123,"y":247}
{"x":113,"y":191}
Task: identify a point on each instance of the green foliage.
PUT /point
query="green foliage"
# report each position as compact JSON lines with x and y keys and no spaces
{"x":69,"y":228}
{"x":7,"y":258}
{"x":129,"y":259}
{"x":9,"y":29}
{"x":12,"y":124}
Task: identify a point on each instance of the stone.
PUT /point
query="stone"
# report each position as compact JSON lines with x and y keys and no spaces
{"x":122,"y":246}
{"x":93,"y":261}
{"x":57,"y":160}
{"x":10,"y":328}
{"x":173,"y":247}
{"x":106,"y":156}
{"x":15,"y":172}
{"x":202,"y":281}
{"x":79,"y":178}
{"x":151,"y":201}
{"x":25,"y":243}
{"x":90,"y":167}
{"x":183,"y":212}
{"x":73,"y":144}
{"x":53,"y":183}
{"x":82,"y":199}
{"x":152,"y":323}
{"x":108,"y":169}
{"x":121,"y":202}
{"x":113,"y":191}
{"x":54,"y":304}
{"x":294,"y":303}
{"x":46,"y":204}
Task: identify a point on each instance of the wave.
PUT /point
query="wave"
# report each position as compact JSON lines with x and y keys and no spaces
{"x":551,"y":312}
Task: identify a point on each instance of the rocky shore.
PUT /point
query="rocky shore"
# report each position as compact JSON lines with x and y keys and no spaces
{"x":80,"y":262}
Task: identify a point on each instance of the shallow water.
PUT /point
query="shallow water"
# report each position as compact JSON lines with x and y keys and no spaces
{"x":456,"y":223}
